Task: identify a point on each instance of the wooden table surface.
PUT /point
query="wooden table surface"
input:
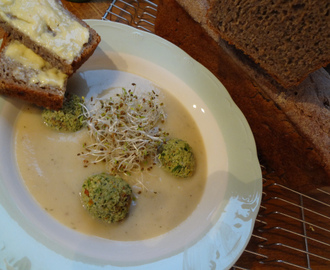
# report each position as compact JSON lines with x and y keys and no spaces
{"x":263,"y":235}
{"x":93,"y":9}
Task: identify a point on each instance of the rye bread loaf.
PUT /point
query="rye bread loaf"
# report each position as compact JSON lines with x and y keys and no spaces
{"x":15,"y":81}
{"x":54,"y":59}
{"x":291,"y":126}
{"x":289,"y":39}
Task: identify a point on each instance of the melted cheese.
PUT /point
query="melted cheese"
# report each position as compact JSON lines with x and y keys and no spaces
{"x":46,"y":23}
{"x":44,"y":74}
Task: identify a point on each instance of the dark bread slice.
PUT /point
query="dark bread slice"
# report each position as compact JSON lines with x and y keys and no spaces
{"x":289,"y":39}
{"x":56,"y":61}
{"x":47,"y":96}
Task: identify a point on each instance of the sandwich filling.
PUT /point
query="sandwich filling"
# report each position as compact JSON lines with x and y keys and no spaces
{"x":47,"y":24}
{"x":43,"y":73}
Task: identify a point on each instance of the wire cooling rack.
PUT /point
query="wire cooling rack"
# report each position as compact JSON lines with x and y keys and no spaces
{"x":140,"y":14}
{"x":292,"y":230}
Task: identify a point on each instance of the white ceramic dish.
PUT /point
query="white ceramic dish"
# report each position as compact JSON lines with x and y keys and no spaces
{"x":218,"y":230}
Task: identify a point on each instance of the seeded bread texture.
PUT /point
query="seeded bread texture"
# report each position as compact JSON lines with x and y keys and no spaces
{"x":289,"y":39}
{"x":18,"y":86}
{"x":291,"y":127}
{"x":56,"y":61}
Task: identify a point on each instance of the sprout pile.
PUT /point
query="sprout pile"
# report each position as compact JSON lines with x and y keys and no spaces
{"x":125,"y":130}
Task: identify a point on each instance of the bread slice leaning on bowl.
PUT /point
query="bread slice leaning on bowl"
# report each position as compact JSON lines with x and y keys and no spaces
{"x":54,"y":35}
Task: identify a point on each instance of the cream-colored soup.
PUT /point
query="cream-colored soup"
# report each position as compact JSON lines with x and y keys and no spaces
{"x":54,"y":173}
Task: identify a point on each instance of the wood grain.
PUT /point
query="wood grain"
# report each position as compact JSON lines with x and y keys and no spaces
{"x":93,"y":9}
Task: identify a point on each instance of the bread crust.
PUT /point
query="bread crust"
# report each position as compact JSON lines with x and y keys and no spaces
{"x":45,"y":99}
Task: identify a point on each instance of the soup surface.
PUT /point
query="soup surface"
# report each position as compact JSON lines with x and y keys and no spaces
{"x":53,"y":173}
